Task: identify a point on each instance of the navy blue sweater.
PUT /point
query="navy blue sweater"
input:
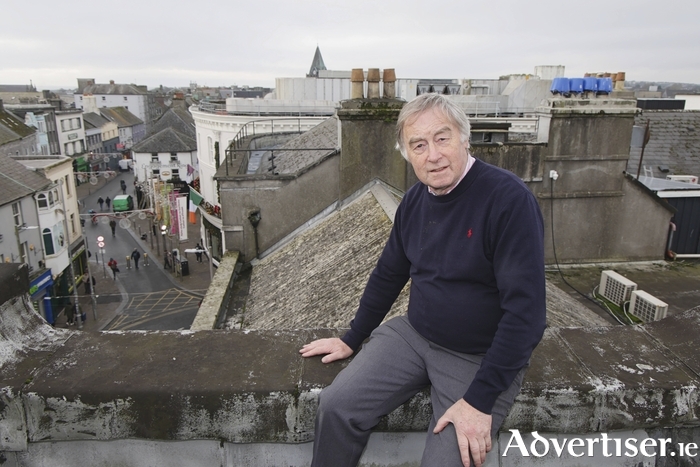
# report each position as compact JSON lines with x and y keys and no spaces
{"x":475,"y":258}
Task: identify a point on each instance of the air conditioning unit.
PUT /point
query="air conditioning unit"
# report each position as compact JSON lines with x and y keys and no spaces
{"x":647,"y":307}
{"x":616,"y":288}
{"x":692,"y":179}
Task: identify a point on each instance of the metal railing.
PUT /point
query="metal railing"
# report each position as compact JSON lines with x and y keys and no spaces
{"x":249,"y":129}
{"x":279,"y":111}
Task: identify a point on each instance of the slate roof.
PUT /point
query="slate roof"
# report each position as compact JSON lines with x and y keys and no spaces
{"x":17,"y":88}
{"x":316,"y":280}
{"x":94,"y":119}
{"x":323,"y":135}
{"x":114,"y":89}
{"x":12,"y":128}
{"x":166,"y":140}
{"x":121,"y":116}
{"x":674,"y":142}
{"x":178,"y":119}
{"x":17,"y":181}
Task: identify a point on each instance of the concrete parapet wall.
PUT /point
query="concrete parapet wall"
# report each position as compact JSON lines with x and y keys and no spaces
{"x":227,"y":391}
{"x":218,"y":293}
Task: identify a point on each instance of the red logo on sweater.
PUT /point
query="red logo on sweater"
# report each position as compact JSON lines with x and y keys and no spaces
{"x":469,"y":233}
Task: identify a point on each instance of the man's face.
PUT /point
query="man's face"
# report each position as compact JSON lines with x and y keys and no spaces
{"x":434,"y":149}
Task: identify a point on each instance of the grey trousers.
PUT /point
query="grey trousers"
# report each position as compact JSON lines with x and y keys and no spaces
{"x":393,"y":366}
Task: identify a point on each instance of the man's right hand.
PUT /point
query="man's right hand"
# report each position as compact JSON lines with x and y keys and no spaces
{"x":333,"y":349}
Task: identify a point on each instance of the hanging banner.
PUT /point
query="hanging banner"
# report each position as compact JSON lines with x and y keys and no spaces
{"x":174,"y":223}
{"x":182,"y":216}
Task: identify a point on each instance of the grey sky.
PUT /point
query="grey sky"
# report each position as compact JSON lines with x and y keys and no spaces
{"x":217,"y":42}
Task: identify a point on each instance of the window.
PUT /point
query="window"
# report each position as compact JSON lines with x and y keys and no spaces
{"x":211,"y":149}
{"x":72,"y":223}
{"x":77,"y":123}
{"x":104,"y":98}
{"x":41,"y":201}
{"x":17,"y":214}
{"x":125,"y":98}
{"x":176,"y":173}
{"x":63,"y":125}
{"x":66,"y":184}
{"x":48,"y":242}
{"x":173,"y":157}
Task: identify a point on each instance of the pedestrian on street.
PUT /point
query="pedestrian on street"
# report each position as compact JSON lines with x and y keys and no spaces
{"x":198,"y":253}
{"x":135,"y":255}
{"x":123,"y":185}
{"x":113,"y":266}
{"x":113,"y":226}
{"x":70,"y":315}
{"x":108,"y":201}
{"x":100,"y":201}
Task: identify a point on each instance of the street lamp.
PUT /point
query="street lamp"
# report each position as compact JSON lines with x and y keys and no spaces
{"x":163,"y":232}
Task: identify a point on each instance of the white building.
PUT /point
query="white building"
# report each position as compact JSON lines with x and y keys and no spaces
{"x":71,"y":132}
{"x":134,"y":98}
{"x":59,"y":223}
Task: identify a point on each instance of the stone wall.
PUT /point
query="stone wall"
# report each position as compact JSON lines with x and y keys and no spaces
{"x":285,"y":202}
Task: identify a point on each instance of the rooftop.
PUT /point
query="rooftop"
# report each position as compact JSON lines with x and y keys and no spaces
{"x":300,"y":151}
{"x":167,"y":140}
{"x":319,"y":273}
{"x":12,"y":128}
{"x":18,"y":181}
{"x":673,"y":144}
{"x":114,"y":89}
{"x":121,"y":116}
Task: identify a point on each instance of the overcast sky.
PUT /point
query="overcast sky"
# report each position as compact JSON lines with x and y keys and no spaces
{"x":216,"y":42}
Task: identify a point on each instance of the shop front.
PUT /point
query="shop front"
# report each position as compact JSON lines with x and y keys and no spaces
{"x":39,"y":289}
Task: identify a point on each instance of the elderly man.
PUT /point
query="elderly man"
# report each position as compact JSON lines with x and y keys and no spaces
{"x":470,"y":238}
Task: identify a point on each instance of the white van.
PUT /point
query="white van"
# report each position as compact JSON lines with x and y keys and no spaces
{"x":125,"y":164}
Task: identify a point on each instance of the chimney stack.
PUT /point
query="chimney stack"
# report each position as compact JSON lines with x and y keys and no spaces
{"x":389,"y":83}
{"x":357,"y":79}
{"x":373,"y":83}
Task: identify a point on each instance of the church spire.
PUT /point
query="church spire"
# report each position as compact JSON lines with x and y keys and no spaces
{"x":317,"y":64}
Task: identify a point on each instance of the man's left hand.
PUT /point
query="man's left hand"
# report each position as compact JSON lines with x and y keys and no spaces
{"x":473,"y":431}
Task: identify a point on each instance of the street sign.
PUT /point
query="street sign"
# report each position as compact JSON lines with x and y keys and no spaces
{"x":101,"y":244}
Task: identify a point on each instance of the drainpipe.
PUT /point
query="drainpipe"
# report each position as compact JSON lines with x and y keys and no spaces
{"x":254,"y":219}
